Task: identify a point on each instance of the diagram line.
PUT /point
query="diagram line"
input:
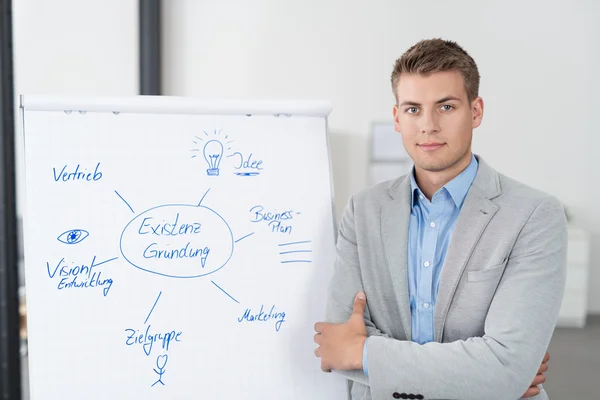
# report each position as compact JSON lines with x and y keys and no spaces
{"x":203,"y":197}
{"x":225,"y":292}
{"x":148,"y":317}
{"x":244,"y":237}
{"x":199,"y":138}
{"x":125,"y":201}
{"x":296,"y":251}
{"x":104,"y":262}
{"x":296,"y":261}
{"x":288,"y":244}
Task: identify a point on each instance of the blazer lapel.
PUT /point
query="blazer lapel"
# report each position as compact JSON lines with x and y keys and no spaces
{"x":395,"y":218}
{"x":476,"y":213}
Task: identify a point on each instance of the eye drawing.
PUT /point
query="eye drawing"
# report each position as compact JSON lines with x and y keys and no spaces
{"x":73,"y":236}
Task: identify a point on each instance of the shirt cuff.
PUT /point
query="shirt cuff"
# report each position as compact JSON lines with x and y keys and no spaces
{"x":364,"y":362}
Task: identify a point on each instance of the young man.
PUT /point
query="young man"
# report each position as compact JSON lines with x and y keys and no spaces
{"x":463,"y":268}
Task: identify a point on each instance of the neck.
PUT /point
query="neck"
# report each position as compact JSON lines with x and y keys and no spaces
{"x":431,"y":181}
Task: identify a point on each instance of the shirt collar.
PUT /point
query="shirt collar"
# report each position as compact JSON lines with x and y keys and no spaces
{"x":457,"y":187}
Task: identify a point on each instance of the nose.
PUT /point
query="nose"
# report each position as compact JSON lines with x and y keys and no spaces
{"x":430,"y":123}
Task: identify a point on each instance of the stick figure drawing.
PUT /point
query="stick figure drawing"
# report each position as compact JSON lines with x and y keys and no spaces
{"x":161,"y":362}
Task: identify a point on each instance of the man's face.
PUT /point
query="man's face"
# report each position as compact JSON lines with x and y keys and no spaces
{"x":436,"y":119}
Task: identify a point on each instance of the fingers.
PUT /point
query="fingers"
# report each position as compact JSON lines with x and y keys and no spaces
{"x":532,"y":391}
{"x":539,"y":379}
{"x":317,"y":338}
{"x":360,"y":302}
{"x":543,"y":368}
{"x":319,"y":327}
{"x":324,"y":367}
{"x":546,"y":357}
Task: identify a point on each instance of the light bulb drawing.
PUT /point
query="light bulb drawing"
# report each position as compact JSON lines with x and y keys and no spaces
{"x":213,"y":150}
{"x":213,"y":153}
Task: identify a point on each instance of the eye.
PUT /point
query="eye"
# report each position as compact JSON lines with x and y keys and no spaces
{"x":73,"y":236}
{"x":412,"y":110}
{"x":447,"y":107}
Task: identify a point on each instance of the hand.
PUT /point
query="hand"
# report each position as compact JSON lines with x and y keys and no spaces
{"x":539,"y":378}
{"x":341,"y":345}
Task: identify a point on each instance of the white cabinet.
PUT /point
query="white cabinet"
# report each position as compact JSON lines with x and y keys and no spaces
{"x":573,"y":311}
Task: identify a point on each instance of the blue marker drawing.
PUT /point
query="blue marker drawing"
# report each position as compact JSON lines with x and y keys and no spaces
{"x":213,"y":154}
{"x":262,"y":316}
{"x":125,"y":201}
{"x":150,"y":313}
{"x":161,"y":362}
{"x":247,"y":173}
{"x":77,"y":174}
{"x":202,"y":199}
{"x":178,"y":241}
{"x":81,"y":275}
{"x":225,"y":292}
{"x":296,"y":261}
{"x":247,"y":165}
{"x":244,"y":237}
{"x":73,"y":236}
{"x":286,"y":253}
{"x":292,"y":243}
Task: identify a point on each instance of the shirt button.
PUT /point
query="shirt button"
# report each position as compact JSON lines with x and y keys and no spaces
{"x":426,"y":263}
{"x":426,"y":305}
{"x":432,"y":224}
{"x":421,"y":196}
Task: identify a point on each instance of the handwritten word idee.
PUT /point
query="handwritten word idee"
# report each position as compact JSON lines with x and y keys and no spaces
{"x":147,"y":339}
{"x":247,"y":163}
{"x":78,"y":174}
{"x":261,"y":316}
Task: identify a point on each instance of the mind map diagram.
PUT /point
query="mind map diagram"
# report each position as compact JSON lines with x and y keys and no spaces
{"x":178,"y":241}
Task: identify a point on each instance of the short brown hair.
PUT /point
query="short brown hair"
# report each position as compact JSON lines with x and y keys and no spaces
{"x":437,"y":55}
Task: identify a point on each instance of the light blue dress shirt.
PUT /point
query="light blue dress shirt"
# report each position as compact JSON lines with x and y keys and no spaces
{"x":429,"y":232}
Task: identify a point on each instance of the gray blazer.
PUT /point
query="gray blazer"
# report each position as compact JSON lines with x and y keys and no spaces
{"x":501,"y":287}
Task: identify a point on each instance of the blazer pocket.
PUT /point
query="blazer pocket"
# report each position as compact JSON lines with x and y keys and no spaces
{"x":486,"y":274}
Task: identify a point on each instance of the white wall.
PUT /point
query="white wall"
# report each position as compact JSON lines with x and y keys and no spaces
{"x":536,"y":59}
{"x":73,"y":47}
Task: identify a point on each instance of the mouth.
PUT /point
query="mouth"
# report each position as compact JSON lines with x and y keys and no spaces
{"x":429,"y":147}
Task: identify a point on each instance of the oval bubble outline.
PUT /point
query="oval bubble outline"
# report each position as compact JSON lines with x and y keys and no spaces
{"x":178,"y":205}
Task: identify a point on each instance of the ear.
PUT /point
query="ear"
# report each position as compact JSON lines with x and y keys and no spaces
{"x":477,"y":111}
{"x":396,"y":113}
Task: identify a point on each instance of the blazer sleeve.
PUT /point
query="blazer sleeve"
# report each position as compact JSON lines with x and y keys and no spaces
{"x":518,"y":328}
{"x":346,"y":282}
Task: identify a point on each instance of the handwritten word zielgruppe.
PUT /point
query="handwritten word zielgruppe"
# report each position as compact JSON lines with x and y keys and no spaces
{"x":146,"y":339}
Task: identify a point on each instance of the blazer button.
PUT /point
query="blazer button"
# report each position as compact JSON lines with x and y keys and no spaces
{"x":419,"y":397}
{"x":412,"y":396}
{"x":396,"y":395}
{"x":403,"y":396}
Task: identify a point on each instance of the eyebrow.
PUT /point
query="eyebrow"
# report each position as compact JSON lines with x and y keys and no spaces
{"x":443,"y":100}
